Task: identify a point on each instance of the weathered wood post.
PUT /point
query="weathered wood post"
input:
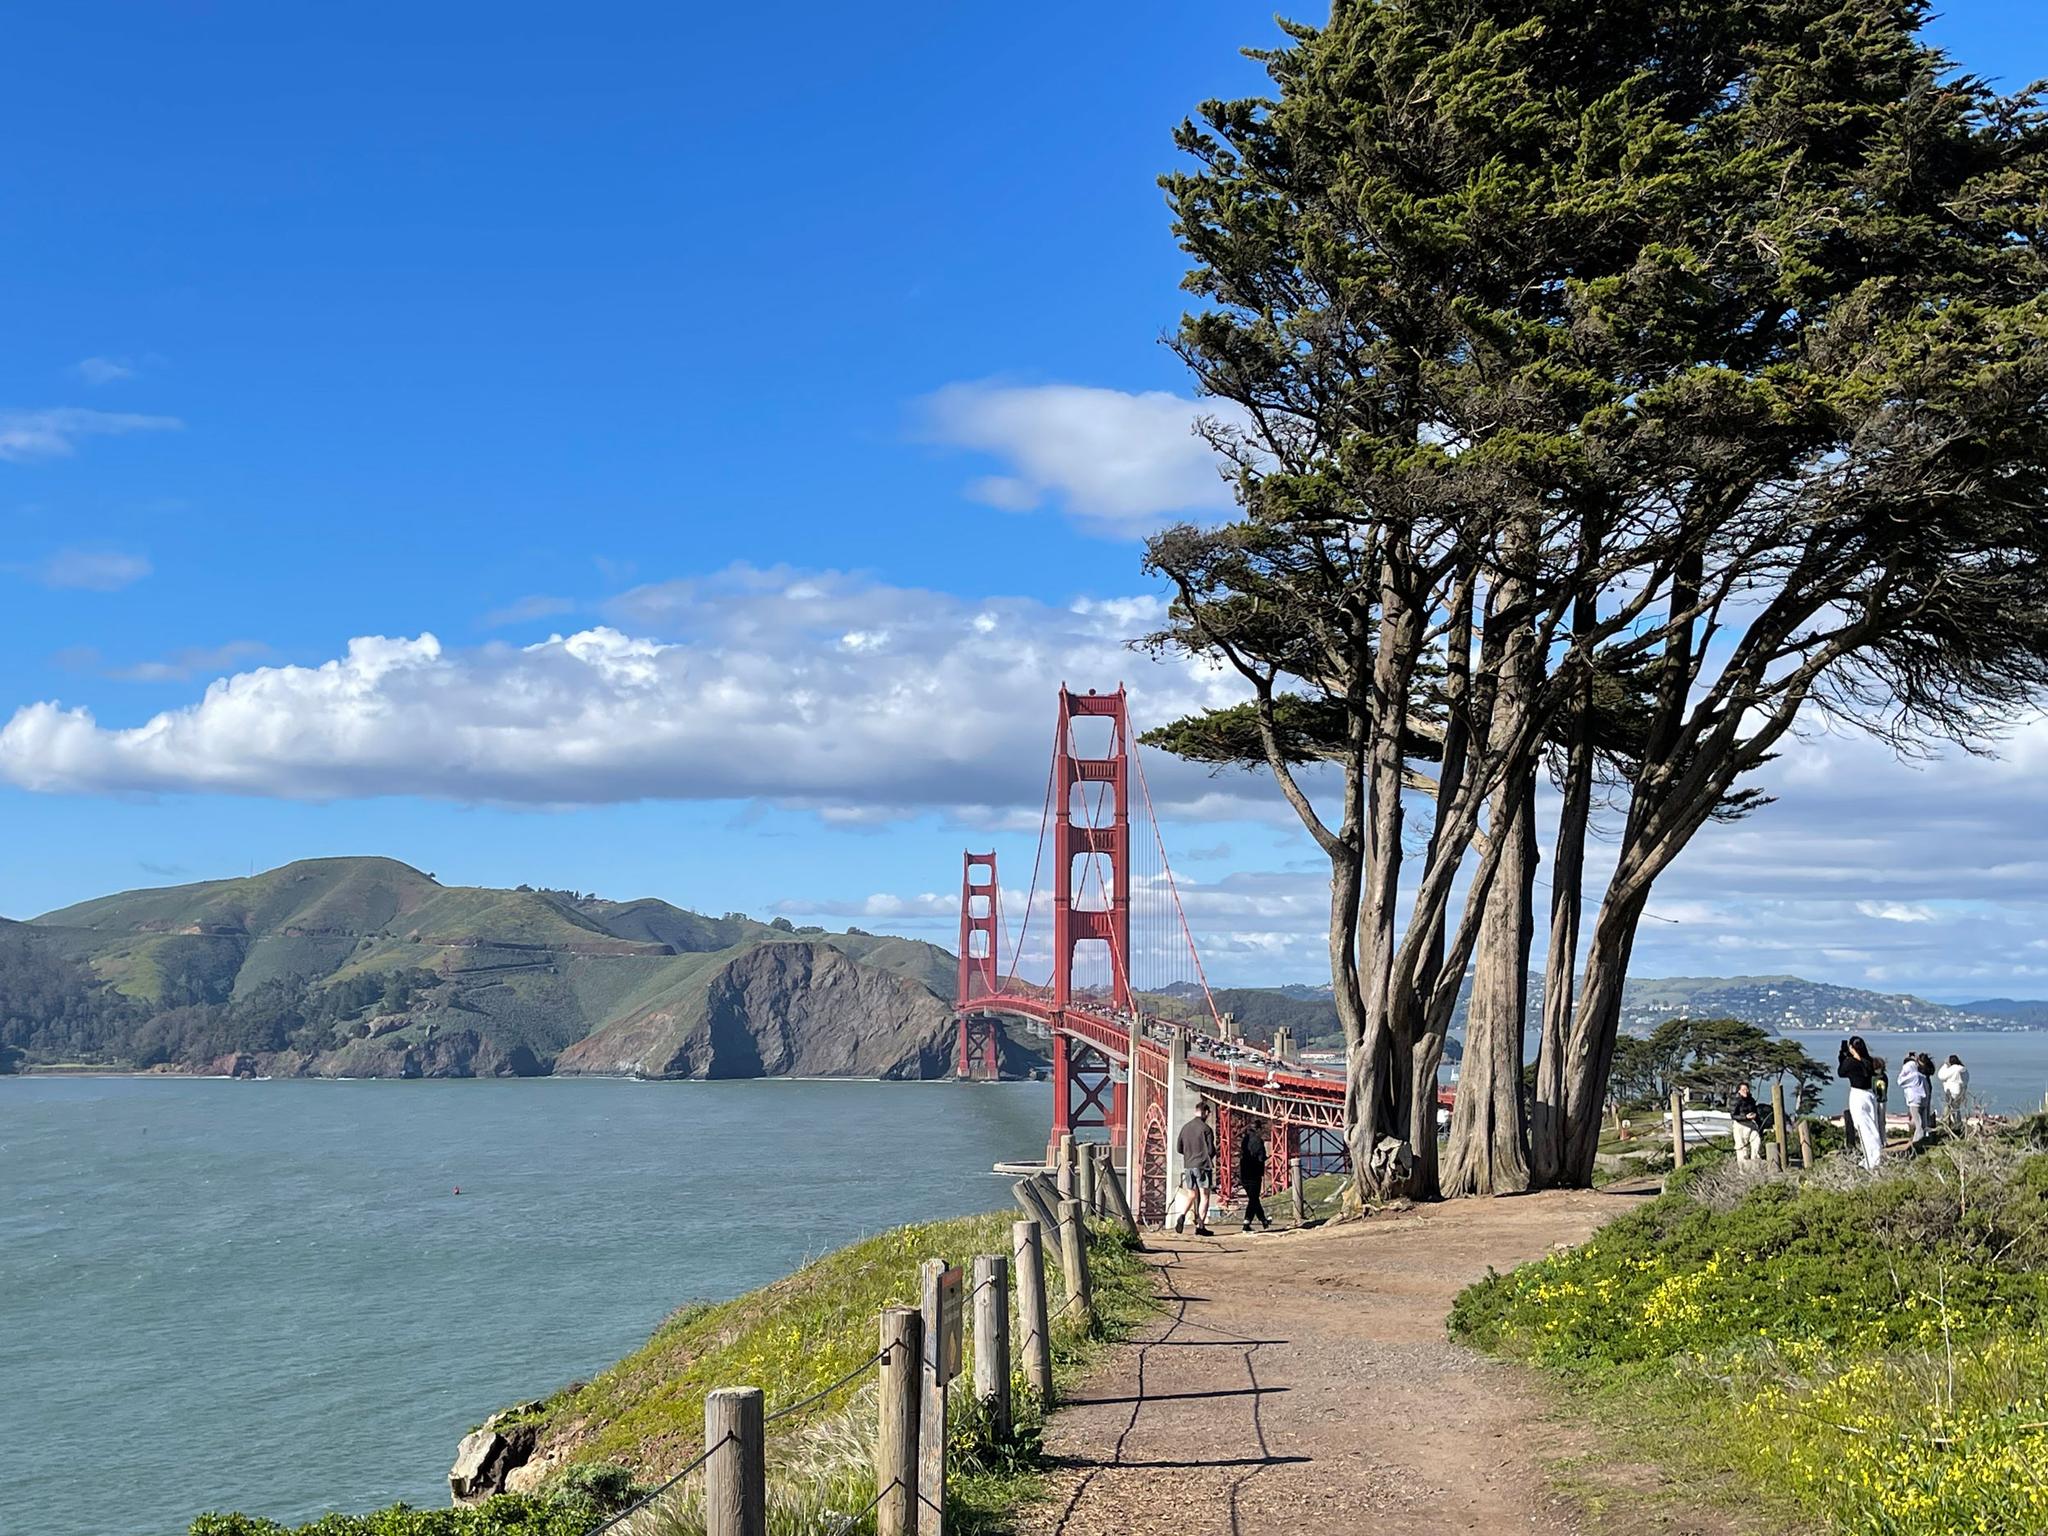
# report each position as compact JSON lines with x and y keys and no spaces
{"x":1033,"y":1204}
{"x":1064,"y":1173}
{"x":1074,"y":1262}
{"x":1298,"y":1191}
{"x":992,"y":1340}
{"x":1677,"y":1130}
{"x":736,"y":1476}
{"x":1778,"y":1158}
{"x":1049,"y":1191}
{"x":1027,"y":1249}
{"x":1084,"y":1181}
{"x":931,"y":1408}
{"x":1805,"y":1144}
{"x":896,"y":1427}
{"x":1116,"y":1203}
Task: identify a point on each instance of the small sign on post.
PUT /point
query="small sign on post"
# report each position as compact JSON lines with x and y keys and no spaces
{"x":943,"y":1345}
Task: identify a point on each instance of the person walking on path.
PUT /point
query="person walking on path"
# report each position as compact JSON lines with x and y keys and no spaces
{"x":1197,"y":1144}
{"x":1859,"y":1069}
{"x":1955,"y":1086}
{"x":1251,"y":1171}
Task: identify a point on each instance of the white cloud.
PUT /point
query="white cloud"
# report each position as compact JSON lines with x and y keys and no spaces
{"x":1896,"y":911}
{"x":104,"y":370}
{"x":54,"y":433}
{"x":809,"y":688}
{"x":87,"y":570}
{"x":1119,"y":463}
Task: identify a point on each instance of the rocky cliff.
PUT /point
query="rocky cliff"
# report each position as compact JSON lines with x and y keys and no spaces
{"x":790,"y":1008}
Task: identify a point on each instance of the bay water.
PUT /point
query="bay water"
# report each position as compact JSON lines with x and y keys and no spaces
{"x":2008,"y":1067}
{"x":269,"y":1296}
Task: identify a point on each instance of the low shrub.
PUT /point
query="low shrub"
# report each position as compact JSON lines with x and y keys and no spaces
{"x":508,"y":1514}
{"x":1876,"y":1337}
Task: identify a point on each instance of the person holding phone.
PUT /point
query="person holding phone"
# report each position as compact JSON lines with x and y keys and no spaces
{"x":1859,"y":1069}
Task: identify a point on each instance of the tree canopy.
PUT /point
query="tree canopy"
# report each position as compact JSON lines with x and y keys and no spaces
{"x":1608,"y":386}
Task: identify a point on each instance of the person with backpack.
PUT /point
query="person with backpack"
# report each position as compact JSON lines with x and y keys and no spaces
{"x":1251,"y":1170}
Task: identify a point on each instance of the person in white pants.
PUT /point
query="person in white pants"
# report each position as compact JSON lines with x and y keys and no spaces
{"x":1855,"y":1066}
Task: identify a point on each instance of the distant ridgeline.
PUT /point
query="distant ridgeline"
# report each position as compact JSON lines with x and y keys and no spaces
{"x":366,"y":967}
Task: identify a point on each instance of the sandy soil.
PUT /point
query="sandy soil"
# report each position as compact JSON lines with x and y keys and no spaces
{"x":1302,"y":1383}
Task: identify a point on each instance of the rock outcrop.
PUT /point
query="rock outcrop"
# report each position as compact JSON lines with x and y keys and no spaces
{"x":791,"y":1008}
{"x":490,"y":1455}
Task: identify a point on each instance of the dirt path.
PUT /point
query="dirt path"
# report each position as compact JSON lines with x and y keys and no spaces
{"x":1301,"y":1384}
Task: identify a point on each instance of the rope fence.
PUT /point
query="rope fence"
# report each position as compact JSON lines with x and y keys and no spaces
{"x":918,"y":1344}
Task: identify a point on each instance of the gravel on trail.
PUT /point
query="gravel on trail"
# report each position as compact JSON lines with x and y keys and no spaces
{"x":1300,"y":1383}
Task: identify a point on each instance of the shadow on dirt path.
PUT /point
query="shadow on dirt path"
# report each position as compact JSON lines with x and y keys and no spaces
{"x":1301,"y":1384}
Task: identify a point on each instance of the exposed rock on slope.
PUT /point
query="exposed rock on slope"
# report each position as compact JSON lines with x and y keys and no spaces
{"x":795,"y":1008}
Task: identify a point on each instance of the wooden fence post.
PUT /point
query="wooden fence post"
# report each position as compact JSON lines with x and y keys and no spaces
{"x":1084,"y":1181}
{"x":1805,"y":1144}
{"x":1778,"y":1156}
{"x":1027,"y":1249}
{"x":1029,"y":1197}
{"x":992,"y":1340}
{"x":1064,"y":1173}
{"x":1116,"y":1204}
{"x":1298,"y":1190}
{"x":1074,"y":1261}
{"x":736,"y":1476}
{"x":902,"y":1382}
{"x":931,"y":1410}
{"x":1677,"y":1130}
{"x":1050,"y":1192}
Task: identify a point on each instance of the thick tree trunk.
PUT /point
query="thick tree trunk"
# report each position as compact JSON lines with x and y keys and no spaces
{"x":1429,"y":1038}
{"x":1567,"y":891}
{"x":1378,"y":1065}
{"x":1595,"y":1026}
{"x":1488,"y":1153}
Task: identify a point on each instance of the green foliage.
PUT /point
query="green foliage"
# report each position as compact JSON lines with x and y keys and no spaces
{"x":508,"y":1514}
{"x":1870,"y":1348}
{"x":1714,"y":1055}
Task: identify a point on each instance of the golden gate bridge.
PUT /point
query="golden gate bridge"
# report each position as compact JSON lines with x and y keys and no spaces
{"x":1136,"y":1036}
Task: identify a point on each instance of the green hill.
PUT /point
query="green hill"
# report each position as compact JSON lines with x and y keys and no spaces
{"x":369,"y":967}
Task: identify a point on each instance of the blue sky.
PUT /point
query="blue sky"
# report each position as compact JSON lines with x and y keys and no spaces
{"x":810,"y":371}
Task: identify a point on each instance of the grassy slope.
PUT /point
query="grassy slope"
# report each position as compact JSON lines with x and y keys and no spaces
{"x":1855,"y":1355}
{"x":804,"y":1332}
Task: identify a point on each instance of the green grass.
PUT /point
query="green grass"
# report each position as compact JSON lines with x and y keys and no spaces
{"x":1865,"y":1352}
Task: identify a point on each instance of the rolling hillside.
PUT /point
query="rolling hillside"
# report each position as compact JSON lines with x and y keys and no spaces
{"x":368,"y":967}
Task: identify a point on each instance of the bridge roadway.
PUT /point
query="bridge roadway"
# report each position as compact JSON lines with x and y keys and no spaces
{"x":1236,"y":1072}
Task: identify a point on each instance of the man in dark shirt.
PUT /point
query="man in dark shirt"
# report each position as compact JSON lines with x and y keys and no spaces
{"x":1197,"y":1144}
{"x":1746,"y":1117}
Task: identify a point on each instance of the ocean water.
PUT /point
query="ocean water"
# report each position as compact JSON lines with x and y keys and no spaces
{"x":2008,"y":1068}
{"x":267,"y":1296}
